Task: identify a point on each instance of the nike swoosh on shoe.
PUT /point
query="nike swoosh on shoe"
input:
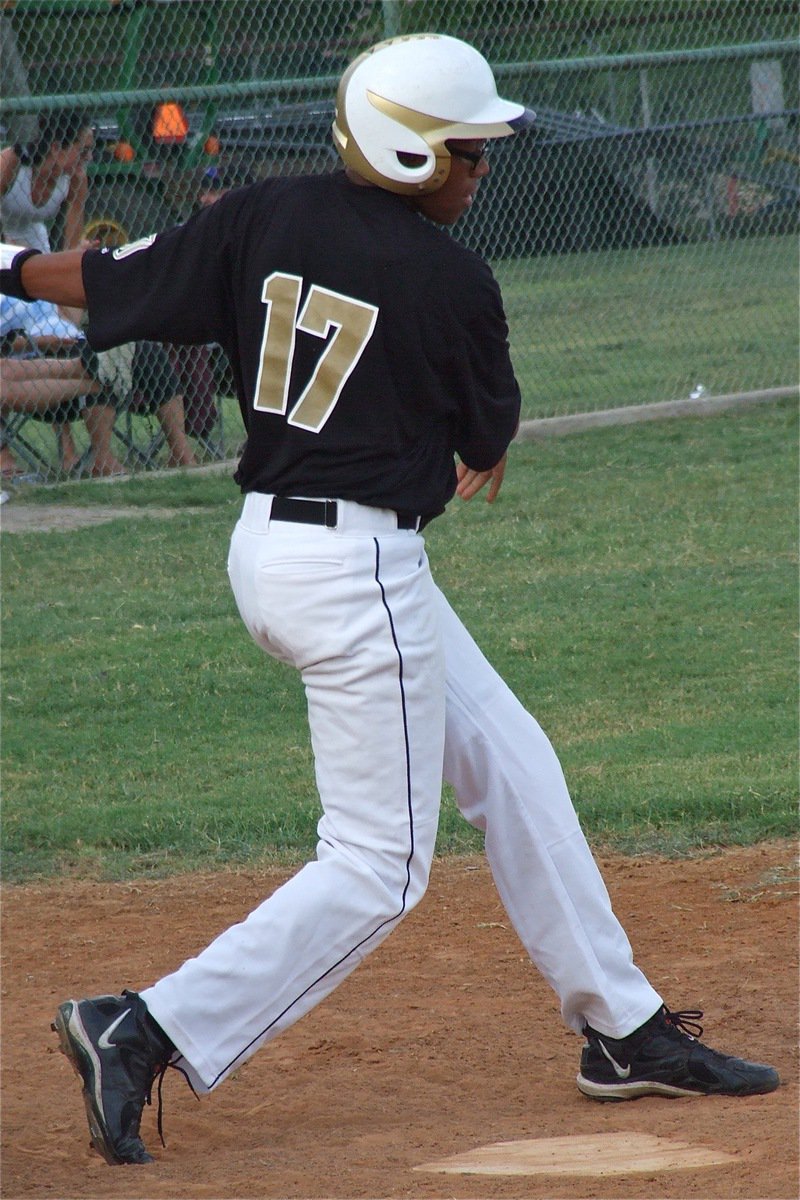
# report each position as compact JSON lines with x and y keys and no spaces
{"x":621,"y":1072}
{"x":105,"y":1044}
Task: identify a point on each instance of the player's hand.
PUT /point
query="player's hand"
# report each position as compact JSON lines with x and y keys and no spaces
{"x":471,"y":482}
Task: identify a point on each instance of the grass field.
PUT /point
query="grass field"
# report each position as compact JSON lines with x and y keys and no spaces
{"x":616,"y":327}
{"x":636,"y":586}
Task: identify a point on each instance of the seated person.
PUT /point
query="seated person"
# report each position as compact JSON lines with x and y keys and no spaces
{"x":194,"y":368}
{"x":36,"y":329}
{"x":151,"y":386}
{"x":217,"y":182}
{"x":41,"y":386}
{"x":155,"y":389}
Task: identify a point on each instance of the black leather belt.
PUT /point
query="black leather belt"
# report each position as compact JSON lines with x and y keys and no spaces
{"x":320,"y":512}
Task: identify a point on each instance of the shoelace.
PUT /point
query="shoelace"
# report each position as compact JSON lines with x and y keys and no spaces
{"x":687,"y":1021}
{"x":159,"y":1076}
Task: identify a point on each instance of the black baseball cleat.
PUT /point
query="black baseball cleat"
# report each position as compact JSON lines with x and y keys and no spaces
{"x":118,"y":1051}
{"x":664,"y":1058}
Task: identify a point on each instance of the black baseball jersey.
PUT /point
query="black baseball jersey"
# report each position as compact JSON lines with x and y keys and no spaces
{"x":367,"y":345}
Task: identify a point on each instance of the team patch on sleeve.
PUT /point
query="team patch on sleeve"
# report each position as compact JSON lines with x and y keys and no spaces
{"x":132,"y":247}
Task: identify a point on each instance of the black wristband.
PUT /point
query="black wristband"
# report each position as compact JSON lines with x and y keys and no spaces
{"x":11,"y":277}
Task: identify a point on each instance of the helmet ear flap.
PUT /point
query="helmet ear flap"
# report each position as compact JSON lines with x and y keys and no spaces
{"x":396,"y":140}
{"x":400,"y":157}
{"x":408,"y":95}
{"x":373,"y":141}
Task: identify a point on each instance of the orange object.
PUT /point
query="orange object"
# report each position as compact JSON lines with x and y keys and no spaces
{"x":124,"y":152}
{"x":170,"y":126}
{"x":211,"y":145}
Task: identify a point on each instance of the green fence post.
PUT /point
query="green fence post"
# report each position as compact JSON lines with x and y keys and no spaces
{"x":391,"y":18}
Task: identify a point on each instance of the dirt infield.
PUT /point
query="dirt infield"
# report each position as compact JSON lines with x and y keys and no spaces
{"x":61,"y":518}
{"x":444,"y":1041}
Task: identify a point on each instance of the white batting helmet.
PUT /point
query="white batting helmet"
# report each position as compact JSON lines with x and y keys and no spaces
{"x":407,"y":96}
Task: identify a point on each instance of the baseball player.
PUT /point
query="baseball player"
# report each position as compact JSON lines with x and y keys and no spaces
{"x":371,"y":361}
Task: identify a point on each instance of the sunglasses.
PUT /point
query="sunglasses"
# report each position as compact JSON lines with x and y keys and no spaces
{"x":474,"y":157}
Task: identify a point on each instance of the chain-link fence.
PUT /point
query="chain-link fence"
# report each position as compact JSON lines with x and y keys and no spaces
{"x":643,"y":231}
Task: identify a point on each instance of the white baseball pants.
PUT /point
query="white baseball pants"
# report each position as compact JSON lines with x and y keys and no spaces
{"x":383,"y":659}
{"x":354,"y":610}
{"x":509,"y":783}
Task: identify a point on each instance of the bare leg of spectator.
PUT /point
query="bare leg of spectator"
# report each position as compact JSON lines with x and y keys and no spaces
{"x":39,"y":385}
{"x":170,"y":416}
{"x":99,"y":420}
{"x":38,"y":396}
{"x":9,"y":467}
{"x":67,"y":450}
{"x":193,"y":367}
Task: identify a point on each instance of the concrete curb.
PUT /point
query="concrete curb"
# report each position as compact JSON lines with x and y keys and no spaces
{"x":631,"y":414}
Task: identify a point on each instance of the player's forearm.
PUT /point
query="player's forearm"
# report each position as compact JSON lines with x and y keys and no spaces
{"x":56,"y":277}
{"x":32,"y":276}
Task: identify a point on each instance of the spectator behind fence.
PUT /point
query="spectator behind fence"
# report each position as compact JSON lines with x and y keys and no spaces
{"x":195,"y":365}
{"x":38,"y":386}
{"x":38,"y":179}
{"x":32,"y":335}
{"x":137,"y":376}
{"x":217,"y":182}
{"x":155,"y":388}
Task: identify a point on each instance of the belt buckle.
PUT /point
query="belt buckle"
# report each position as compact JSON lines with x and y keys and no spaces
{"x":331,"y":514}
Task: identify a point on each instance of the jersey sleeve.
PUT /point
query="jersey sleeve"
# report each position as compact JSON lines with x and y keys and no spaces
{"x":482,"y":375}
{"x":173,"y":287}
